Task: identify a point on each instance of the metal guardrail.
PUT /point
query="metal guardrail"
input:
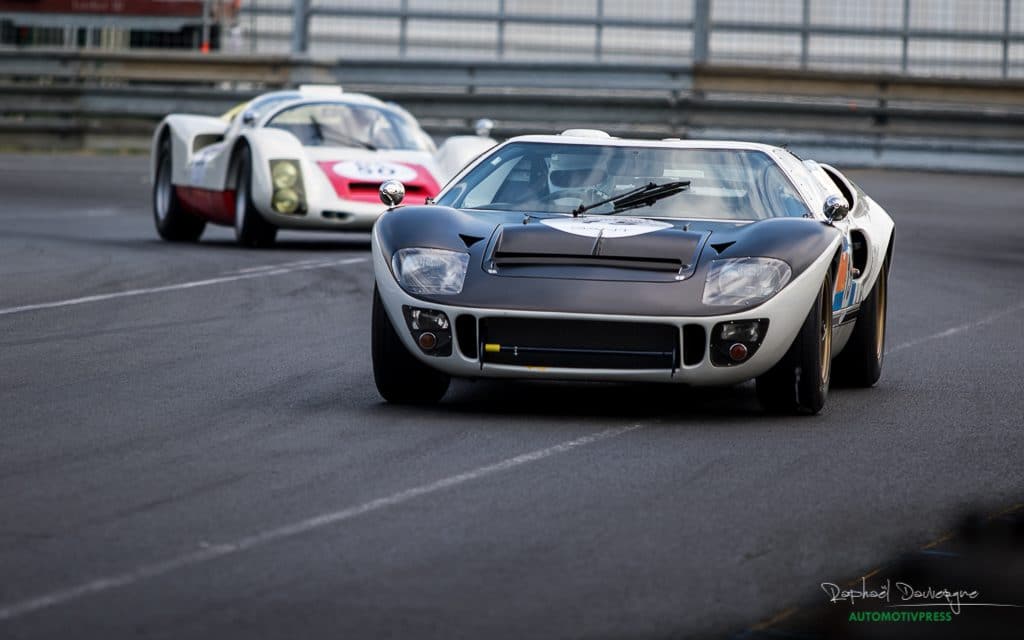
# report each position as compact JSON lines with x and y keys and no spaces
{"x":73,"y":98}
{"x":917,"y":37}
{"x":698,"y":21}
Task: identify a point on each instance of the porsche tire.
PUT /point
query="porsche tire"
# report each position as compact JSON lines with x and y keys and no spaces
{"x":251,"y":229}
{"x":400,"y":377}
{"x":173,"y":223}
{"x":860,"y":363}
{"x":798,"y":384}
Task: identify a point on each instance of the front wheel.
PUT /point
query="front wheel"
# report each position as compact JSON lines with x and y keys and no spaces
{"x":798,"y":383}
{"x":251,"y":229}
{"x":400,"y":377}
{"x":173,"y":223}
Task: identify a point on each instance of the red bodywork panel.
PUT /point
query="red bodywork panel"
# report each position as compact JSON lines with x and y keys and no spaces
{"x":417,"y":190}
{"x":215,"y":206}
{"x":162,"y":8}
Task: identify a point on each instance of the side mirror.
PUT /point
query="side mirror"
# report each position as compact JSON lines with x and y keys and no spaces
{"x":248,"y":118}
{"x":836,"y":208}
{"x":483,"y":127}
{"x":392,"y":192}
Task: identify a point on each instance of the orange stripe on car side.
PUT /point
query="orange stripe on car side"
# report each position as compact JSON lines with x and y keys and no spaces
{"x":844,"y":271}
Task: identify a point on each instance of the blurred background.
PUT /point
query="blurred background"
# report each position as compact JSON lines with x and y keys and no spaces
{"x":894,"y":83}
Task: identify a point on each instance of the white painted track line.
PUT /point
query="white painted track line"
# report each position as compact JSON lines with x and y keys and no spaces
{"x":270,"y":270}
{"x":213,"y":552}
{"x":952,"y":331}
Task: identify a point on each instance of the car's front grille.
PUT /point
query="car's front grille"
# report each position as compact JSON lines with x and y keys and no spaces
{"x":590,"y":344}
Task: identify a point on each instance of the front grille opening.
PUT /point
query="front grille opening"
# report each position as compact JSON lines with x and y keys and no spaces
{"x":694,"y":341}
{"x":465,"y":334}
{"x":373,"y":188}
{"x":336,"y":215}
{"x":584,"y":344}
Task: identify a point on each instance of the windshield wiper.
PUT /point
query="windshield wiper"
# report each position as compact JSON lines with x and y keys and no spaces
{"x":318,"y":129}
{"x":338,"y":135}
{"x":643,"y":196}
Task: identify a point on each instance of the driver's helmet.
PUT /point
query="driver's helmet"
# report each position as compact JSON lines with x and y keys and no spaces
{"x":575,"y":171}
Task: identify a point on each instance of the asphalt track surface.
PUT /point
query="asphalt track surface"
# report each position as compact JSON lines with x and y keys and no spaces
{"x":196,"y":448}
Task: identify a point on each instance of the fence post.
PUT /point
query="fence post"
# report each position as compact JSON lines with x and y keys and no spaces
{"x":501,"y":29}
{"x":904,"y":56}
{"x":599,"y":30}
{"x":701,"y":30}
{"x":805,"y":34}
{"x":300,"y":27}
{"x":1006,"y":38}
{"x":403,"y":29}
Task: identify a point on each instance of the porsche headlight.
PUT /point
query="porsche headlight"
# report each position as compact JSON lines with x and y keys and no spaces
{"x":744,"y":281}
{"x":284,"y":175}
{"x":430,"y":271}
{"x":285,"y":201}
{"x":289,"y":195}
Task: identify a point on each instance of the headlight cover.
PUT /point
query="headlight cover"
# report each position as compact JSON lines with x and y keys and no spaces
{"x":430,"y":271}
{"x":744,"y":281}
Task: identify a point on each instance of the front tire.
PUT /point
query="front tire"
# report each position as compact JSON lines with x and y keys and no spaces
{"x":251,"y":229}
{"x":172,"y":222}
{"x":400,"y":377}
{"x":860,"y":363}
{"x":798,"y":384}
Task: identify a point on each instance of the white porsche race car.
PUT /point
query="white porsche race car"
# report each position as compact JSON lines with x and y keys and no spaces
{"x":312,"y":158}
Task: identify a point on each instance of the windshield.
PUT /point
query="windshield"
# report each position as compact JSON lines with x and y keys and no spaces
{"x":334,"y":124}
{"x":559,"y":178}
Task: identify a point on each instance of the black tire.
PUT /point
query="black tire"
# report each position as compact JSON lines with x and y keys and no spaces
{"x":173,"y":223}
{"x":860,"y":362}
{"x":798,"y":384}
{"x":251,"y":228}
{"x":400,"y":377}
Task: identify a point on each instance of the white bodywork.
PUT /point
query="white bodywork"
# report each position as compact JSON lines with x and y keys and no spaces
{"x":786,"y":311}
{"x":204,"y":151}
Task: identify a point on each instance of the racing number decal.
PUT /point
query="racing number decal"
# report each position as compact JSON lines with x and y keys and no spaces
{"x":374,"y":171}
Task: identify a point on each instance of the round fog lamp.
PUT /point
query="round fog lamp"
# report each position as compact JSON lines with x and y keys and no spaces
{"x":427,"y":341}
{"x":738,"y":351}
{"x":284,"y":175}
{"x":285,"y":201}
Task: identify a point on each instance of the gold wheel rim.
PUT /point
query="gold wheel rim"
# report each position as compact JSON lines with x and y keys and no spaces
{"x":880,"y":315}
{"x":825,"y":341}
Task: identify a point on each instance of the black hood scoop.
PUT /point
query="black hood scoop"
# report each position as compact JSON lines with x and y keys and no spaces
{"x":595,"y":248}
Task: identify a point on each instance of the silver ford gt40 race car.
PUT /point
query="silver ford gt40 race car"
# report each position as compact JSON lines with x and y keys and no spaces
{"x":585,"y":257}
{"x":310,"y":158}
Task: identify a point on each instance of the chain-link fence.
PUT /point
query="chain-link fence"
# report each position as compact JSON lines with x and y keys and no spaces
{"x":966,"y":38}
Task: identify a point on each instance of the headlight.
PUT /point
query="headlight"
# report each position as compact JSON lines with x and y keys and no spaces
{"x":284,"y":175}
{"x":285,"y":201}
{"x":289,"y":195}
{"x":430,"y":271}
{"x":744,"y":281}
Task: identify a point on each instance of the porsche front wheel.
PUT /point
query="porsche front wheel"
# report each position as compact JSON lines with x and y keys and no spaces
{"x":173,"y":223}
{"x":400,"y":377}
{"x":860,"y":363}
{"x":799,"y":382}
{"x":251,"y":229}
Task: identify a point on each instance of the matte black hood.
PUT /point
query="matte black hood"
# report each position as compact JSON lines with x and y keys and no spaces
{"x":557,"y":263}
{"x":595,"y":249}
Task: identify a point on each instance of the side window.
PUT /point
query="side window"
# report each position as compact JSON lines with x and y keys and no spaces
{"x":839,"y":183}
{"x":823,"y":182}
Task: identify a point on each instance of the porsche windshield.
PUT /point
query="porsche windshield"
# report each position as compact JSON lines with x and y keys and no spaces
{"x":545,"y":177}
{"x":335,"y":124}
